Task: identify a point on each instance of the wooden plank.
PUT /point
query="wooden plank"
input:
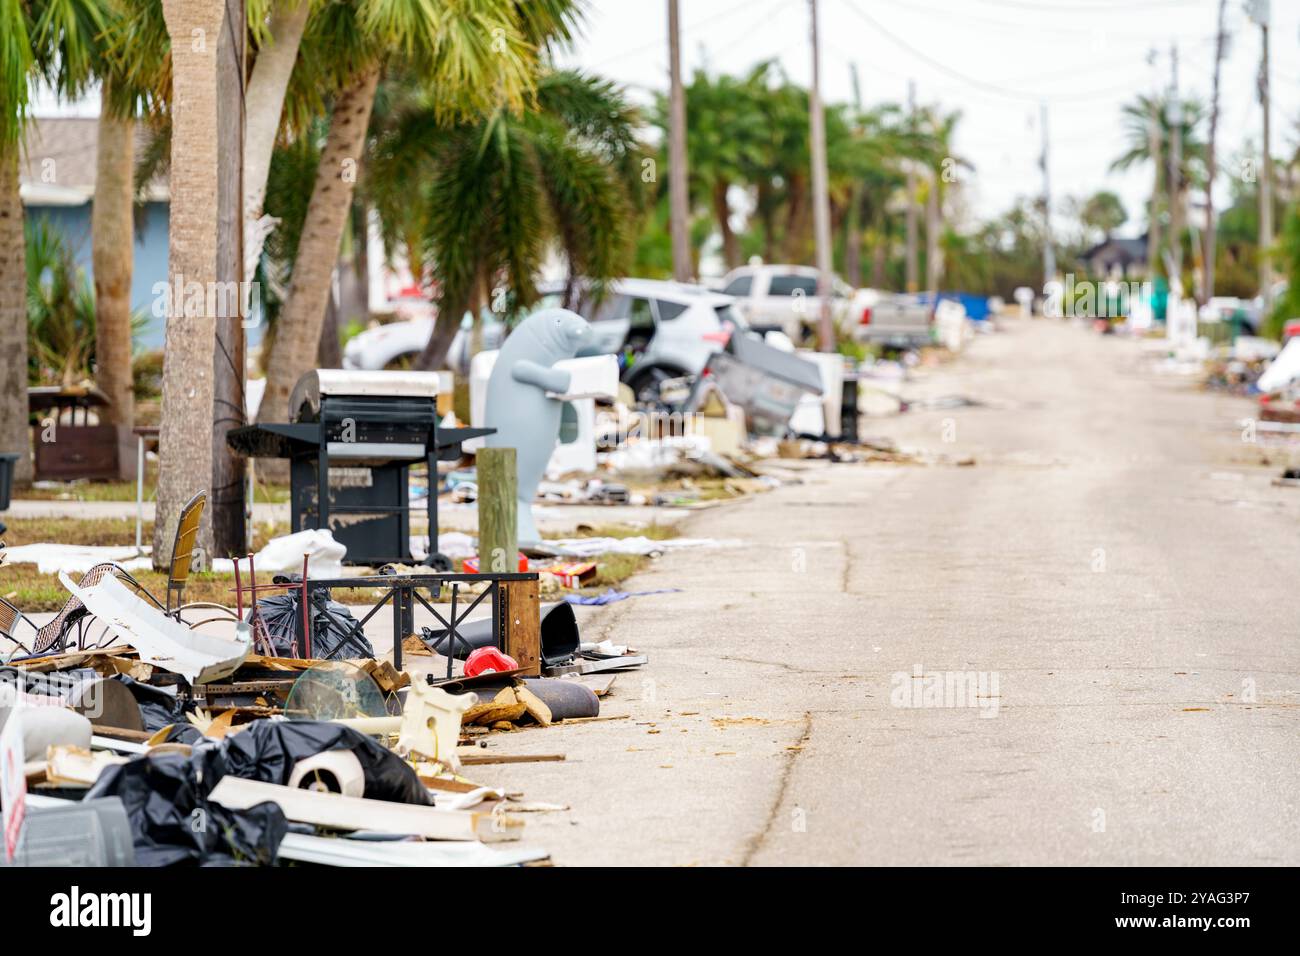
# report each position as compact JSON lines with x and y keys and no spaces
{"x":475,"y":756}
{"x":122,"y":733}
{"x":76,"y":766}
{"x":358,"y":813}
{"x":521,"y":625}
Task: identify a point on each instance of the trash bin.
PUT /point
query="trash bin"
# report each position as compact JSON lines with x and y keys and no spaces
{"x":7,"y":462}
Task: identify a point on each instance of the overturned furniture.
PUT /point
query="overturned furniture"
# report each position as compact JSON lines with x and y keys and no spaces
{"x":765,"y":381}
{"x":351,"y":440}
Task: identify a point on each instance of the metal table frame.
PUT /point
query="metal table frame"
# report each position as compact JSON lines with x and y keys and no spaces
{"x":403,"y":591}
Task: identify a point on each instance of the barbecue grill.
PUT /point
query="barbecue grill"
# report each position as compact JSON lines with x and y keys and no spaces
{"x":351,"y":439}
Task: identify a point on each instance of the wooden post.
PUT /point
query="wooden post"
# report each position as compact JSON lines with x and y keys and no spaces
{"x":498,"y":511}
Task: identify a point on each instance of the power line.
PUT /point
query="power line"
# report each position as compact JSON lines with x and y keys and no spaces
{"x":1019,"y":24}
{"x":659,"y":44}
{"x":980,"y":84}
{"x":1122,"y":6}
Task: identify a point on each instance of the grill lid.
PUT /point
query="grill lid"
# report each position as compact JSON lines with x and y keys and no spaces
{"x":321,"y":383}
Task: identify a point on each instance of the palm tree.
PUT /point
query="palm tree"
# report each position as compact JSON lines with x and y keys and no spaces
{"x":1148,"y":135}
{"x":724,"y":127}
{"x":474,"y":54}
{"x":938,"y":129}
{"x":278,"y":40}
{"x":45,"y":40}
{"x":564,"y":173}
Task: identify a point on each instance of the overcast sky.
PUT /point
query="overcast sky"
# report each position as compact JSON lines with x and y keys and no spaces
{"x":991,"y":59}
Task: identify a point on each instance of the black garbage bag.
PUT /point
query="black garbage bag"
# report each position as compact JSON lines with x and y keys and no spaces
{"x":332,"y":624}
{"x":157,"y":707}
{"x":172,"y":820}
{"x":182,"y":733}
{"x":267,"y":750}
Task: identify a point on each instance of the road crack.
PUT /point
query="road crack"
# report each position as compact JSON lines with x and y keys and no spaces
{"x":756,"y":842}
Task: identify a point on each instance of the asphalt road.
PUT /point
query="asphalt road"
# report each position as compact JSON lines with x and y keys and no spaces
{"x":1105,"y":600}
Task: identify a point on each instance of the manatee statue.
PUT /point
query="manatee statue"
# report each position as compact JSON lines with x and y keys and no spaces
{"x":517,"y":406}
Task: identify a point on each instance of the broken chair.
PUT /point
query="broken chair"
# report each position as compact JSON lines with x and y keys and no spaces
{"x":52,"y":638}
{"x":178,"y":569}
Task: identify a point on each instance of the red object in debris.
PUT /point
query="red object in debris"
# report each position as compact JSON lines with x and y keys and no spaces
{"x":866,"y":316}
{"x":575,"y":573}
{"x":1291,"y":328}
{"x":471,"y":564}
{"x":488,"y":660}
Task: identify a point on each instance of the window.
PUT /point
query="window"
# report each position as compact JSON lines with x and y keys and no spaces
{"x":639,"y":315}
{"x":790,"y":284}
{"x":669,"y":310}
{"x":739,"y":286}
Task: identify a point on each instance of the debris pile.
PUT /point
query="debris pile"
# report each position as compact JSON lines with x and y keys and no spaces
{"x":272,"y":732}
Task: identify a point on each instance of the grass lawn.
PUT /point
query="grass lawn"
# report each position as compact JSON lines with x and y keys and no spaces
{"x":24,"y":586}
{"x":125,"y":490}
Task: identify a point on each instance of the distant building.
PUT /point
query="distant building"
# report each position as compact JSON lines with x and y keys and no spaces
{"x":57,"y":178}
{"x":1116,"y":258}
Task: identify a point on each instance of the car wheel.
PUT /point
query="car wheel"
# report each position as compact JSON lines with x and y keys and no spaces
{"x":645,"y":382}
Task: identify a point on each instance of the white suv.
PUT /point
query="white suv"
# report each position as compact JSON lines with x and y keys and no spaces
{"x":784,"y":297}
{"x":660,"y":330}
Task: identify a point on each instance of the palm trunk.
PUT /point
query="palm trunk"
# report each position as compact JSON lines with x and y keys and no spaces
{"x":298,"y":335}
{"x":933,"y":226}
{"x":880,"y":257}
{"x":910,"y":272}
{"x":14,"y":434}
{"x":797,"y":224}
{"x":328,"y":353}
{"x":265,"y":103}
{"x":185,"y":438}
{"x":1153,"y":232}
{"x":853,"y":238}
{"x":445,"y":327}
{"x":112,"y":245}
{"x":730,"y":246}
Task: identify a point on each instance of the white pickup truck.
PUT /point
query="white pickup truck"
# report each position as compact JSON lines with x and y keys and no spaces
{"x":890,"y":319}
{"x":784,"y":297}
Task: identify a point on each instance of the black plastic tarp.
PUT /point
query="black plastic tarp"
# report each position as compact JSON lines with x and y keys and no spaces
{"x":172,"y":820}
{"x":331,"y":625}
{"x":267,"y":750}
{"x":157,"y":707}
{"x":166,"y":795}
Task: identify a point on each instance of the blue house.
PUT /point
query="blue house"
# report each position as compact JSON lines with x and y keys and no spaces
{"x":57,"y":177}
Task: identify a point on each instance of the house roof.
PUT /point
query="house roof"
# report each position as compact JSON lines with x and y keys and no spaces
{"x":1118,"y":250}
{"x":57,"y":167}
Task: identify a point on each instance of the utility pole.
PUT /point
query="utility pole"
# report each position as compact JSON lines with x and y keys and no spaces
{"x":821,"y":198}
{"x":678,"y":203}
{"x":1174,"y":116}
{"x":1049,"y":253}
{"x":910,"y":273}
{"x":1259,"y":12}
{"x":1210,"y":241}
{"x":1154,"y":142}
{"x":228,"y":474}
{"x":853,"y":219}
